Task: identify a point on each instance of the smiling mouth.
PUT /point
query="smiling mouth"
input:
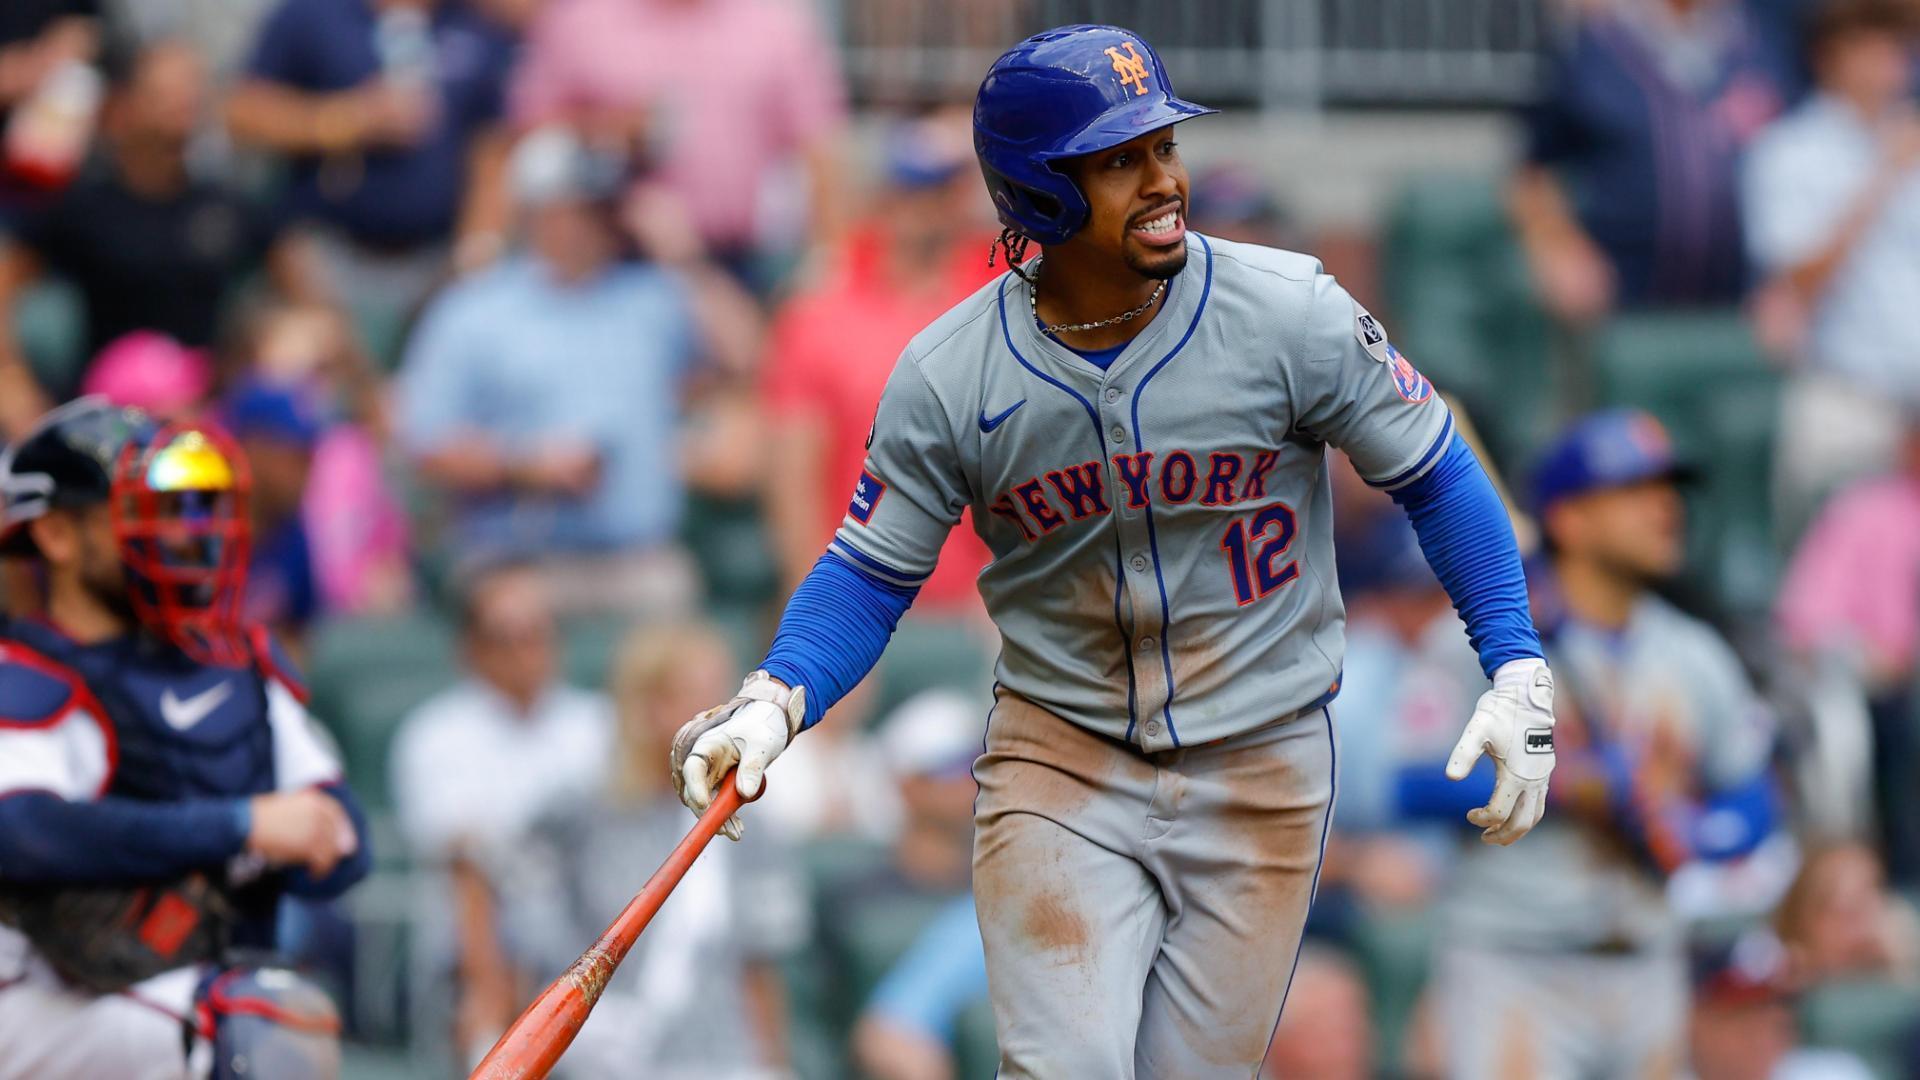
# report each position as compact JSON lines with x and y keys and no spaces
{"x":1163,"y":227}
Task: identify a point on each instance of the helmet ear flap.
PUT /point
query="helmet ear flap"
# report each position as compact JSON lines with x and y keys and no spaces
{"x":1049,"y":214}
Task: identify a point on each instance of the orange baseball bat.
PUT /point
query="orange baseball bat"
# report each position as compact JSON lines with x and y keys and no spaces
{"x":543,"y":1032}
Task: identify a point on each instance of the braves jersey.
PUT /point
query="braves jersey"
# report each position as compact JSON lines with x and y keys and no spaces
{"x":1161,"y":530}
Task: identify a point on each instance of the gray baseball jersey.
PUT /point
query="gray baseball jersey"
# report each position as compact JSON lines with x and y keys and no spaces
{"x":1161,"y":530}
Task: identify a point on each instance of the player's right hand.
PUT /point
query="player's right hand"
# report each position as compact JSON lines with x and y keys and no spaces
{"x":306,"y":828}
{"x":1513,"y":723}
{"x":748,"y":731}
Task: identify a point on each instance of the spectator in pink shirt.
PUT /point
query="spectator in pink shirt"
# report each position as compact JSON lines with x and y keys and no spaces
{"x":1852,"y":595}
{"x":720,"y":93}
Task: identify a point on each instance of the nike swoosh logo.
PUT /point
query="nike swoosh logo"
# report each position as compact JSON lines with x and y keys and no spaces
{"x":181,"y":715}
{"x":987,"y":426}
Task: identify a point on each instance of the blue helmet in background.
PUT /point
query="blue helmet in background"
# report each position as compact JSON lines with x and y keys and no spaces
{"x":1060,"y":94}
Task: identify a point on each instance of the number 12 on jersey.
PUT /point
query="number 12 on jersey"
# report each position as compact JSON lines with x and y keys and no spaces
{"x":1254,"y":571}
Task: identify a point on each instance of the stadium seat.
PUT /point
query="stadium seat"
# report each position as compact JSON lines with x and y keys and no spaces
{"x":50,"y":322}
{"x":367,"y":673}
{"x":1706,"y":379}
{"x":930,"y":653}
{"x":1458,"y":303}
{"x":728,"y":539}
{"x":1876,"y":1020}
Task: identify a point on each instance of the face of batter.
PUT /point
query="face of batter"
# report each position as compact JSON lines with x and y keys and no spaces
{"x":1137,"y":198}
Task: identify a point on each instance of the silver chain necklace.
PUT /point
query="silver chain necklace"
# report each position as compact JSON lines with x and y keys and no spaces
{"x":1033,"y":302}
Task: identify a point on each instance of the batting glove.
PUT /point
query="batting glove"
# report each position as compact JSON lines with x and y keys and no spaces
{"x":748,"y":732}
{"x":1513,"y":723}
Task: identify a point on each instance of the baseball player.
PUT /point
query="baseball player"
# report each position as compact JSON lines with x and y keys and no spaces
{"x":1564,"y":959}
{"x":1138,"y":420}
{"x":161,"y":786}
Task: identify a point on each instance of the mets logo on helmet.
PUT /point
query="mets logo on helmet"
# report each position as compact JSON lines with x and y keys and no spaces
{"x":1132,"y":67}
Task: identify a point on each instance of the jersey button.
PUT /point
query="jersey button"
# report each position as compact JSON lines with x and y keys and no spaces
{"x":1139,"y":562}
{"x":1153,"y":727}
{"x":1146,"y":644}
{"x":1113,"y":394}
{"x":1119,"y":433}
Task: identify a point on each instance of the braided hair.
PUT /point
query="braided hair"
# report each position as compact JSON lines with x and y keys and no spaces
{"x":1014,"y":243}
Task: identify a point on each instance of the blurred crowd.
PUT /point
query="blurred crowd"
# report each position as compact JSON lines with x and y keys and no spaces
{"x":553,"y":331}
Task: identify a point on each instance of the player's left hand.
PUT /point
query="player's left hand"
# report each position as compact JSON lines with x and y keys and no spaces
{"x":1513,"y":723}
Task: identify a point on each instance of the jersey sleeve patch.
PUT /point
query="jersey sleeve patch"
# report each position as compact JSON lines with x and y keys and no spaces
{"x":867,"y":493}
{"x":1371,"y":335}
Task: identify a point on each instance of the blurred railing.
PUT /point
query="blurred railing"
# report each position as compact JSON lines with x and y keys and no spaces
{"x":1273,"y":53}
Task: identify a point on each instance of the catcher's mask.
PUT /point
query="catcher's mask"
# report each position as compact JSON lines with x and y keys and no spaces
{"x":179,"y":511}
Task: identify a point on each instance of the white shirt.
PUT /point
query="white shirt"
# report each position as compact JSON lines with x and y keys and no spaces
{"x":1801,"y":178}
{"x":469,"y":767}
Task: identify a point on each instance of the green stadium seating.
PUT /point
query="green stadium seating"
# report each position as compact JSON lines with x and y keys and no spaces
{"x":1459,"y":304}
{"x":367,"y":673}
{"x":50,"y":323}
{"x":1707,"y":380}
{"x":728,"y":540}
{"x":927,"y":654}
{"x":1873,"y":1019}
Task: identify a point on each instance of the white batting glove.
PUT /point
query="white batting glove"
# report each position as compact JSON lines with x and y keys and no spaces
{"x":748,"y":732}
{"x":1513,"y":723}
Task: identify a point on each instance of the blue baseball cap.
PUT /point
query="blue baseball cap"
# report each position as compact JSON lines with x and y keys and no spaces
{"x":921,"y":154}
{"x":1609,"y":449}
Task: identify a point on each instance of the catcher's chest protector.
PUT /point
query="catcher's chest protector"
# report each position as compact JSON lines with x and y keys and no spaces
{"x":182,"y":729}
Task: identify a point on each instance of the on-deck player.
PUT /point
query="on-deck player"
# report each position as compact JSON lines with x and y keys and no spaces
{"x":1138,"y":420}
{"x":161,"y":784}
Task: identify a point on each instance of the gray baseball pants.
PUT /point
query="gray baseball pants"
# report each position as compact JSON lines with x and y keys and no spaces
{"x":1142,"y":913}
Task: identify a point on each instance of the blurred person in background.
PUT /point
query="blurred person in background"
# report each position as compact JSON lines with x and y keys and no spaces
{"x":907,"y":1027}
{"x":1326,"y":1032}
{"x":701,"y":994}
{"x":1742,"y":1026}
{"x":723,"y":95}
{"x":1832,"y":202}
{"x":837,"y":339}
{"x":1839,"y":921}
{"x":1663,"y":762}
{"x":40,"y":40}
{"x":1851,"y":599}
{"x":927,"y":745}
{"x":546,"y":393}
{"x":278,"y":429}
{"x":1627,"y":196}
{"x":388,"y":112}
{"x":148,"y":244}
{"x":356,"y":527}
{"x":1235,"y":202}
{"x":477,"y":765}
{"x":149,"y":371}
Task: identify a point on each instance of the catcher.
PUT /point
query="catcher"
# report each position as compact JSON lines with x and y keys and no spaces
{"x":161,"y":785}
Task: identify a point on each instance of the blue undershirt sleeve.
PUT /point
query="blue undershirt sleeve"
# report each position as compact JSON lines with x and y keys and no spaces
{"x":1467,"y":539}
{"x":833,"y":631}
{"x":45,"y":838}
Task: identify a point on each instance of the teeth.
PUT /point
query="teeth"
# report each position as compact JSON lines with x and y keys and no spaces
{"x":1161,"y":224}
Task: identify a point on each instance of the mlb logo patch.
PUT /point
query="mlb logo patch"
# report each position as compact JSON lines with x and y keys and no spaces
{"x":866,"y":496}
{"x":1408,"y":381}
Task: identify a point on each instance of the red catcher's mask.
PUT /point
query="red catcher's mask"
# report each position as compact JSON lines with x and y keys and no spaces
{"x":179,"y":511}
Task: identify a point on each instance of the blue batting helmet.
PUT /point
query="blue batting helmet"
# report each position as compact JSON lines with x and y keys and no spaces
{"x":1059,"y":94}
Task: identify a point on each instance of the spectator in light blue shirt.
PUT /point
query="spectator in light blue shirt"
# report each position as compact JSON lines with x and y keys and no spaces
{"x":1832,"y":203}
{"x":544,"y":394}
{"x":907,"y":1027}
